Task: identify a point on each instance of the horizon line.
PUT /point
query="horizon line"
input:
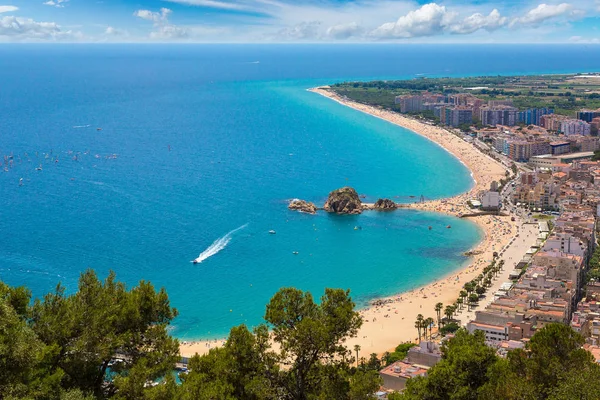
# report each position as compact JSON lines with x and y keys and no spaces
{"x":304,"y":43}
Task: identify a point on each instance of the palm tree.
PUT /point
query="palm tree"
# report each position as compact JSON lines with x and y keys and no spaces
{"x":497,"y":269}
{"x":460,"y":302}
{"x":419,"y":324}
{"x":438,"y":311}
{"x":473,"y":298}
{"x":429,"y":322}
{"x":448,"y":312}
{"x":479,"y":278}
{"x":357,"y":349}
{"x":480,"y":290}
{"x":469,"y":287}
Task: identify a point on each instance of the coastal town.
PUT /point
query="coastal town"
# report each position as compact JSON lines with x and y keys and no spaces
{"x":525,"y":299}
{"x":300,"y":200}
{"x":536,"y":197}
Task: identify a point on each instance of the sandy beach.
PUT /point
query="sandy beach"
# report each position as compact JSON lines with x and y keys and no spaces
{"x":392,"y":321}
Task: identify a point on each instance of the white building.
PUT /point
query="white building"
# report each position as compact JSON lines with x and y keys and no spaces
{"x":566,"y":243}
{"x":544,"y":161}
{"x":575,"y":127}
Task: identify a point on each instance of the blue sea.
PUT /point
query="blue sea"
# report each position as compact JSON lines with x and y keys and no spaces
{"x":138,"y":158}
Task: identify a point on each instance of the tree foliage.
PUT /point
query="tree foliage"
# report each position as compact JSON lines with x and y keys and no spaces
{"x":60,"y":348}
{"x":311,"y":360}
{"x":553,"y":365}
{"x":449,"y":328}
{"x":464,"y":364}
{"x":63,"y":344}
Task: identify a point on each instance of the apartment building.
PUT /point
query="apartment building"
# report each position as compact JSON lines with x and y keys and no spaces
{"x":523,"y":150}
{"x":456,"y":116}
{"x":574,"y":127}
{"x":552,"y":121}
{"x":588,"y":115}
{"x":499,"y":115}
{"x":533,"y":116}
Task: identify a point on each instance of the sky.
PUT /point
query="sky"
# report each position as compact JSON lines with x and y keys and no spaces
{"x":300,"y":21}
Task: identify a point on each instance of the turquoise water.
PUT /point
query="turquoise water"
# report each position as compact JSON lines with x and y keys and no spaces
{"x":198,"y":141}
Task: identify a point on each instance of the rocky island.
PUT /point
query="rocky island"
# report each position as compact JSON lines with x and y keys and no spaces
{"x":343,"y":201}
{"x":385,"y":205}
{"x":303,"y":206}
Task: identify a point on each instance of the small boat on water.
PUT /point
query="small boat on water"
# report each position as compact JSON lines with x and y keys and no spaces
{"x":272,"y":232}
{"x":430,"y":228}
{"x":448,"y":227}
{"x":39,"y":168}
{"x":294,"y":252}
{"x":357,"y":228}
{"x":195,"y":261}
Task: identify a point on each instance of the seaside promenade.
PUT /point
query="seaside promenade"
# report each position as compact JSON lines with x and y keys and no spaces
{"x":513,"y":253}
{"x":391,"y":323}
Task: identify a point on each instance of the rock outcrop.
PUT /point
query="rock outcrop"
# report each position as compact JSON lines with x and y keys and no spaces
{"x":302,"y":206}
{"x":385,"y":205}
{"x":343,"y":201}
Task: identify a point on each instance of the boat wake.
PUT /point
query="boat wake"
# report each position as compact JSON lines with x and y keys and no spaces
{"x":81,"y":126}
{"x":217,"y":245}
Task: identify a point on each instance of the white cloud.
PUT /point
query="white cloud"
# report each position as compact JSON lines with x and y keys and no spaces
{"x":302,"y":31}
{"x":26,"y":29}
{"x":155,"y":17}
{"x":433,"y":19}
{"x":362,"y":19}
{"x":544,"y":12}
{"x":163,"y":29}
{"x":5,"y":9}
{"x":355,"y":20}
{"x":344,"y":31}
{"x":112,"y":31}
{"x":479,"y":21}
{"x":428,"y":20}
{"x":55,"y":3}
{"x":170,"y":32}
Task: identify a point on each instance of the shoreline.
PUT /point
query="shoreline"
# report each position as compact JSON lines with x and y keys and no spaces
{"x":389,"y":321}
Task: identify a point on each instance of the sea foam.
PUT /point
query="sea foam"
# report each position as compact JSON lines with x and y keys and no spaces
{"x":218,"y":245}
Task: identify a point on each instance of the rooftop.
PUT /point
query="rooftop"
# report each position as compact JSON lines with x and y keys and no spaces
{"x":402,"y":369}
